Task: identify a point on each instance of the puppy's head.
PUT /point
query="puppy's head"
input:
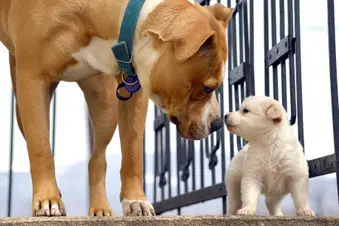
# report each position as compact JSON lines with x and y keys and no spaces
{"x":256,"y":116}
{"x":191,"y":42}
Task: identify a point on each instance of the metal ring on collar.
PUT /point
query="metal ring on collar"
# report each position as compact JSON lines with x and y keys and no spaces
{"x":127,"y":83}
{"x":122,"y":97}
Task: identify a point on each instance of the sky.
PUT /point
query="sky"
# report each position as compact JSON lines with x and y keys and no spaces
{"x":72,"y":145}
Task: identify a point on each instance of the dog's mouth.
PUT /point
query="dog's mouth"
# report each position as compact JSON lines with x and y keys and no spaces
{"x":230,"y":127}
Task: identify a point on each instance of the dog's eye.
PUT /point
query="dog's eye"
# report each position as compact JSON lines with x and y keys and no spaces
{"x":208,"y":90}
{"x":245,"y":110}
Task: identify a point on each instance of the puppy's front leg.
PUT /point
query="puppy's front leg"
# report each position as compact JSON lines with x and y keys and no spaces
{"x":273,"y":205}
{"x":131,"y":120}
{"x":250,"y":192}
{"x":299,"y":191}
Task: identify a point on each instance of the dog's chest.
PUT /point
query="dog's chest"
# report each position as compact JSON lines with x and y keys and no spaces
{"x":94,"y":58}
{"x":275,"y":173}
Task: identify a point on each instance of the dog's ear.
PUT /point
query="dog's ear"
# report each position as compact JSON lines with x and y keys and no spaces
{"x":188,"y":41}
{"x":274,"y":113}
{"x":187,"y":33}
{"x":222,"y":13}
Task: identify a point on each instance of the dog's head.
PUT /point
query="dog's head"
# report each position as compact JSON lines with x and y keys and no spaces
{"x":256,"y":116}
{"x":191,"y":43}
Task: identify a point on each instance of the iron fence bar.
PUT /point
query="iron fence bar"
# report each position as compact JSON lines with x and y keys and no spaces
{"x":187,"y":164}
{"x":230,"y":60}
{"x":178,"y":171}
{"x":168,"y":157}
{"x":192,"y":151}
{"x":241,"y":38}
{"x":334,"y":82}
{"x":11,"y":156}
{"x":54,"y":122}
{"x":274,"y":42}
{"x":234,"y":41}
{"x":251,"y":80}
{"x":155,"y":160}
{"x":291,"y":64}
{"x":248,"y":74}
{"x":161,"y":175}
{"x":236,"y":93}
{"x":283,"y":62}
{"x":222,"y":145}
{"x":202,"y":165}
{"x":298,"y":74}
{"x":212,"y":159}
{"x":266,"y":29}
{"x":223,"y":158}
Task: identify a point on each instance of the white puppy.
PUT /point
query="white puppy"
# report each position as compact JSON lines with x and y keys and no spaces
{"x":272,"y":163}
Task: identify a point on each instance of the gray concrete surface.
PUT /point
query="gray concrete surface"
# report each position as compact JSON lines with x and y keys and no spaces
{"x":171,"y":221}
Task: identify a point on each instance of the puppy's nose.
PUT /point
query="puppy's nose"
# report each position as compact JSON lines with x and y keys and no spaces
{"x":226,"y":116}
{"x":216,"y":125}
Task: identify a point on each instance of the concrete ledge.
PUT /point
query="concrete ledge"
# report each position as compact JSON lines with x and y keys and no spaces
{"x":173,"y":221}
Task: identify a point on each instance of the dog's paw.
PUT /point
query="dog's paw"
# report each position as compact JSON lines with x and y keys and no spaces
{"x":306,"y":212}
{"x":100,"y":212}
{"x":49,"y":207}
{"x":137,"y":208}
{"x":246,"y":211}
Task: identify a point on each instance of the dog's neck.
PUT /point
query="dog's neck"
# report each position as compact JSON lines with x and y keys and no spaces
{"x":275,"y":136}
{"x":144,"y":54}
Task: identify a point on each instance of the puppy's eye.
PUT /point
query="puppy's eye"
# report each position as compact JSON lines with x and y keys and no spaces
{"x":245,"y":110}
{"x":208,"y":90}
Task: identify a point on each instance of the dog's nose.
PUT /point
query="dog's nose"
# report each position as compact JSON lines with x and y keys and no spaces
{"x":174,"y":120}
{"x":226,"y":116}
{"x":216,"y":125}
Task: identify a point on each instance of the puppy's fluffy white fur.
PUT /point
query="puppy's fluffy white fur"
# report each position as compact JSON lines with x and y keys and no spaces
{"x":272,"y":163}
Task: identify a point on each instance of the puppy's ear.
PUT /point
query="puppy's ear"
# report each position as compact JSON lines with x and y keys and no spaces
{"x":221,"y":13}
{"x":274,"y":113}
{"x":187,"y":30}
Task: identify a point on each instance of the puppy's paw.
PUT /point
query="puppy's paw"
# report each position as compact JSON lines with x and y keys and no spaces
{"x":101,"y":212}
{"x":305,"y":212}
{"x":246,"y":211}
{"x":48,"y":207}
{"x":137,"y":208}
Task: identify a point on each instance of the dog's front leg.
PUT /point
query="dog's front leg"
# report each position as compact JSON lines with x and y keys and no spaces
{"x":250,"y":192}
{"x":273,"y":205}
{"x":299,"y":191}
{"x":99,"y":92}
{"x":131,"y":118}
{"x":33,"y":100}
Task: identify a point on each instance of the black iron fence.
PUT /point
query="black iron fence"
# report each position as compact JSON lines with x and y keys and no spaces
{"x":283,"y":81}
{"x":187,"y":172}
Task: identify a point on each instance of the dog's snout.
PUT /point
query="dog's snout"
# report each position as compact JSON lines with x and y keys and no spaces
{"x":226,"y":116}
{"x":216,"y":125}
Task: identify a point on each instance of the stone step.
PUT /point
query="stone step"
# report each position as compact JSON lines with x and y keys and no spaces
{"x":172,"y":221}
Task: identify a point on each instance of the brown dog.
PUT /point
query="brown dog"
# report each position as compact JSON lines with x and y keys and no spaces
{"x":179,"y":53}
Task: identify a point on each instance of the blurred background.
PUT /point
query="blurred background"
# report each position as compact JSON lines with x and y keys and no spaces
{"x":72,"y":139}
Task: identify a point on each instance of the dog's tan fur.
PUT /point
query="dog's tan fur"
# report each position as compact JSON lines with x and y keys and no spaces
{"x":272,"y":162}
{"x":180,"y":47}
